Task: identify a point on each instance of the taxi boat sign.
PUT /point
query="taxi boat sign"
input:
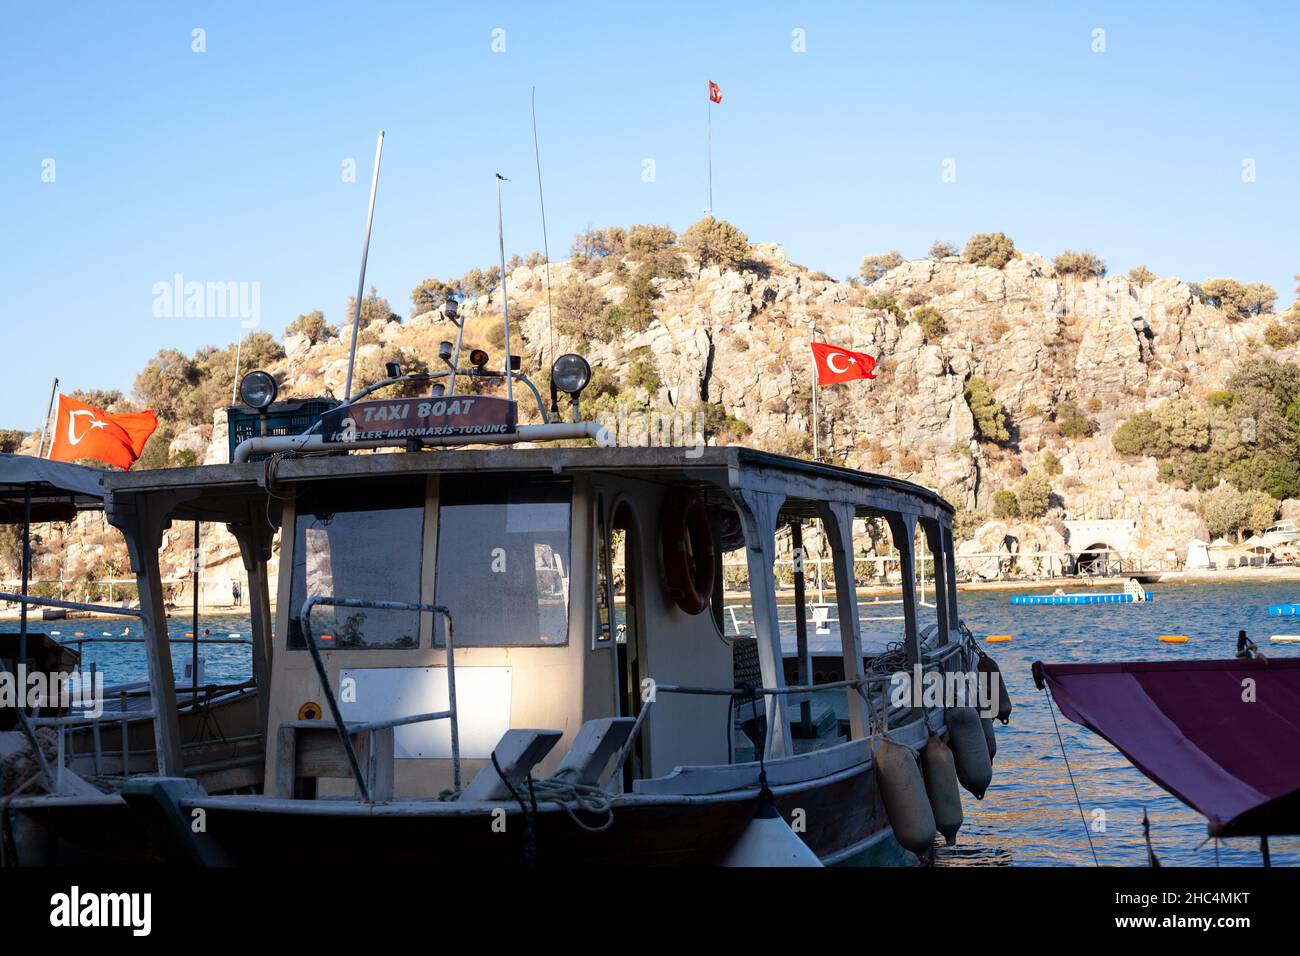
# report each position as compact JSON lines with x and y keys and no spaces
{"x":457,"y":416}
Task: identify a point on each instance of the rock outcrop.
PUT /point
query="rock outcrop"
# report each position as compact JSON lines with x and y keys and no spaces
{"x":739,"y":339}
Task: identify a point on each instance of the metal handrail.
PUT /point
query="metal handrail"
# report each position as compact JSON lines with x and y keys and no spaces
{"x":71,"y":605}
{"x":345,"y":730}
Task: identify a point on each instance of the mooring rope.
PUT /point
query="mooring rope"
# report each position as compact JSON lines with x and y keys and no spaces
{"x":1079,"y":803}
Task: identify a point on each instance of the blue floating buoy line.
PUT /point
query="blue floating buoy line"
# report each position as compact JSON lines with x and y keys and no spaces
{"x":1044,"y":599}
{"x":1284,"y":610}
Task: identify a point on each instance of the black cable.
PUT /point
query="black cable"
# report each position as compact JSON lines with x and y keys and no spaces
{"x":528,"y":853}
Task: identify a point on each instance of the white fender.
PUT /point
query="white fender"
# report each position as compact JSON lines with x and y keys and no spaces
{"x":970,"y":749}
{"x":903,"y":791}
{"x":940,"y":774}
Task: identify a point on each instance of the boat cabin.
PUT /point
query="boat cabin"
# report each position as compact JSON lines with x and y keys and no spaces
{"x":554,"y":608}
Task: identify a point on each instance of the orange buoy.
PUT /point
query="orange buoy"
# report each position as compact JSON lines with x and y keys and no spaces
{"x":1174,"y":638}
{"x":998,"y":638}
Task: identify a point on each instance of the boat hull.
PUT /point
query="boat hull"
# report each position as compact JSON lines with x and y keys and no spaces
{"x":841,"y":818}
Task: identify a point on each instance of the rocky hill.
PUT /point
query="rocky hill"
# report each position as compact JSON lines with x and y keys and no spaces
{"x":1066,"y":360}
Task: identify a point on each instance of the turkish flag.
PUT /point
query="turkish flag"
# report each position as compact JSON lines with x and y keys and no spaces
{"x":835,"y":364}
{"x":715,"y":92}
{"x":84,"y":431}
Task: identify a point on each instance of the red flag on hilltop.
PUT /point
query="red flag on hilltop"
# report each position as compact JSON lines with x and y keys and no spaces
{"x":84,"y":431}
{"x":715,"y":92}
{"x":835,"y":364}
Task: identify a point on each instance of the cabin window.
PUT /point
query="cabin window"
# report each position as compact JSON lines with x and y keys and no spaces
{"x":359,"y":540}
{"x":503,"y":560}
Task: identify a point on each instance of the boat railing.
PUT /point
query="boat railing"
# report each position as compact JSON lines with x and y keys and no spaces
{"x":819,"y":616}
{"x":27,"y":724}
{"x":347,"y":730}
{"x":862,"y":685}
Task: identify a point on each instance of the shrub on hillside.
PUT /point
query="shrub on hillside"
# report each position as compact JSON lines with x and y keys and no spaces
{"x":1073,"y":423}
{"x":1033,"y":495}
{"x":642,"y":370}
{"x":931,"y":321}
{"x":1224,"y":510}
{"x":990,"y":418}
{"x":722,"y":426}
{"x":1141,"y":275}
{"x":1005,"y":505}
{"x":716,"y":242}
{"x":1279,"y":379}
{"x":429,"y":295}
{"x":873,"y":267}
{"x":312,"y":325}
{"x":577,"y":303}
{"x":1239,"y":300}
{"x":1071,"y":263}
{"x":1139,"y":436}
{"x":1261,"y":510}
{"x":883,"y":302}
{"x":989,"y":249}
{"x":1282,"y":334}
{"x":942,"y":250}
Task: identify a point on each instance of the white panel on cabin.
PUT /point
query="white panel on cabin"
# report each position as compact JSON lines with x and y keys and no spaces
{"x":483,"y":695}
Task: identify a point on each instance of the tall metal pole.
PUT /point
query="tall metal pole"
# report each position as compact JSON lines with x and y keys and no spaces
{"x":816,"y":444}
{"x":239,"y":351}
{"x":505,"y":299}
{"x":803,"y":659}
{"x":27,"y":574}
{"x":194,"y":626}
{"x":460,"y":338}
{"x":710,"y":123}
{"x":546,"y":245}
{"x":365,"y":253}
{"x":40,"y":449}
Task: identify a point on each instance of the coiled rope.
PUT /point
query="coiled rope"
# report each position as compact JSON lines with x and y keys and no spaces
{"x":21,"y":768}
{"x":569,"y":793}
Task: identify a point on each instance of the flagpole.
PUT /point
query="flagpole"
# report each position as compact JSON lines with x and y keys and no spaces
{"x":709,"y":107}
{"x":816,"y":430}
{"x":816,"y":445}
{"x":46,"y":423}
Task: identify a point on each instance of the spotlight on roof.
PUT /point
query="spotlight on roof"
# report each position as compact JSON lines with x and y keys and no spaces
{"x":571,"y":373}
{"x":258,"y":390}
{"x":478,"y":358}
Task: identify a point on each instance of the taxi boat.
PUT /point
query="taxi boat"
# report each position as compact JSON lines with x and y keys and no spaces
{"x":499,"y":654}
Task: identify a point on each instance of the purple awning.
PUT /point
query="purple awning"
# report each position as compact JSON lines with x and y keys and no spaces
{"x":1226,"y":748}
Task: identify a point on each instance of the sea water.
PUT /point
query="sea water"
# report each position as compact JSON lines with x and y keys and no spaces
{"x":1030,"y":815}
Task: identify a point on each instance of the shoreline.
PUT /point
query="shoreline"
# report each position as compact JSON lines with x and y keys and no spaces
{"x":1278,"y":573}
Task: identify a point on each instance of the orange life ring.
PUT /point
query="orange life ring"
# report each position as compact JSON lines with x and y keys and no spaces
{"x":686,"y":553}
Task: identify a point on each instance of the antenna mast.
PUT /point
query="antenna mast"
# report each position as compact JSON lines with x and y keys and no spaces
{"x":505,"y":298}
{"x":365,"y":253}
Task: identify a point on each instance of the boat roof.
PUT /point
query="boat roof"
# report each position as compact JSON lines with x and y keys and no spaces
{"x":805,"y":482}
{"x":58,"y":489}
